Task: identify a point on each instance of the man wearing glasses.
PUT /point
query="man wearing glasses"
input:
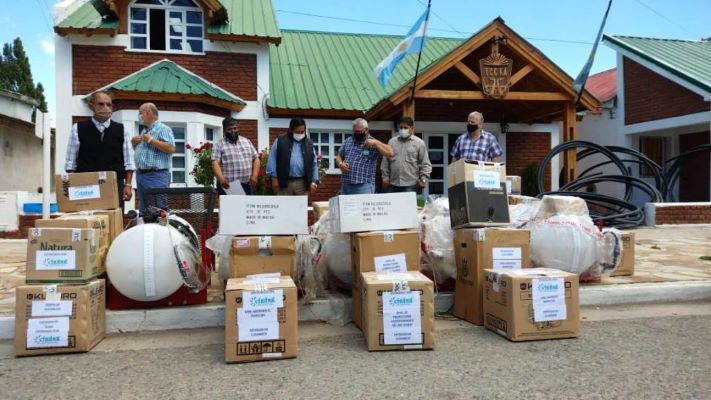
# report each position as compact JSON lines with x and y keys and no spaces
{"x":357,"y":160}
{"x":99,"y":144}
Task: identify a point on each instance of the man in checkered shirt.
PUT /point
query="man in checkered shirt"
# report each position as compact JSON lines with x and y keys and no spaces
{"x":476,"y":144}
{"x":234,"y":159}
{"x":357,"y":159}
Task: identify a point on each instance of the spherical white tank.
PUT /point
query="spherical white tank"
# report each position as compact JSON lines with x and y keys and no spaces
{"x":141,"y":263}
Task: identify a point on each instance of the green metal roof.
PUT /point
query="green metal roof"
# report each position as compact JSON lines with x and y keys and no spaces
{"x":689,"y":60}
{"x":88,"y":17}
{"x":166,"y":76}
{"x":334,"y":71}
{"x":254,"y":18}
{"x":248,"y":18}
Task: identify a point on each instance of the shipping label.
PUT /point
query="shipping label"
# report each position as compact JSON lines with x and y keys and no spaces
{"x":401,"y":318}
{"x":45,"y":308}
{"x":46,"y":260}
{"x":487,"y":179}
{"x":84,"y":192}
{"x":548,"y":297}
{"x":47,"y":332}
{"x":391,"y":263}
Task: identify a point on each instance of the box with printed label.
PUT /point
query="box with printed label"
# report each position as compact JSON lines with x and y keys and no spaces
{"x":383,"y":251}
{"x":398,"y":311}
{"x":56,"y":319}
{"x":532,"y":304}
{"x":478,"y":206}
{"x":263,"y":215}
{"x":373,"y":212}
{"x":86,"y":191}
{"x":476,"y":250}
{"x":513,"y":184}
{"x":251,"y":255}
{"x":626,"y":267}
{"x":115,"y":222}
{"x":80,"y":221}
{"x":62,"y":255}
{"x":470,"y":171}
{"x":260,"y":319}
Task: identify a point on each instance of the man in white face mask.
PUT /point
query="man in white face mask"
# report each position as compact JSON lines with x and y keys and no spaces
{"x":409,"y":169}
{"x":292,"y":167}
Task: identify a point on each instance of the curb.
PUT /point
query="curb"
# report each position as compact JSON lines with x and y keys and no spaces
{"x":337,"y":310}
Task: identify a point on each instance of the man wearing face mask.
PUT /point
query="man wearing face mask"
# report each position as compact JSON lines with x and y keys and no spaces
{"x":292,"y":167}
{"x":410,"y":167}
{"x":476,"y":144}
{"x":357,"y":159}
{"x":99,"y":144}
{"x":234,"y":159}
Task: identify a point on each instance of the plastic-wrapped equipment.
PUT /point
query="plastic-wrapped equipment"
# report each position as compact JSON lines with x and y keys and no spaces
{"x":438,"y":240}
{"x":564,"y":237}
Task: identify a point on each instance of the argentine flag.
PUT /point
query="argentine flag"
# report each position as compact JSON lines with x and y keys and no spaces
{"x":412,"y":43}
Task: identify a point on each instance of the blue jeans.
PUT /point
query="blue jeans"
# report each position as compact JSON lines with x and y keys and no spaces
{"x":152,"y":180}
{"x":245,"y":186}
{"x":358,"y":188}
{"x":400,"y":189}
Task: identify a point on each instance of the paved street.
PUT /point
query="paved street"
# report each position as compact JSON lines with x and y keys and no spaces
{"x":650,"y":352}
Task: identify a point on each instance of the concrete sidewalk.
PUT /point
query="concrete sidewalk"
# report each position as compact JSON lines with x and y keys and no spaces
{"x":668,"y":268}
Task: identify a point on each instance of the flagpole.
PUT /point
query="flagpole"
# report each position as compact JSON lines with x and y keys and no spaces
{"x":419,"y":55}
{"x":582,"y":78}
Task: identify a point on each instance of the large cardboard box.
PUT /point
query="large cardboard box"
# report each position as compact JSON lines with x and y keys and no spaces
{"x":472,"y":206}
{"x":79,"y":221}
{"x":115,"y":222}
{"x":383,"y":251}
{"x":260,"y":319}
{"x":320,"y":208}
{"x":398,"y":311}
{"x":62,"y":255}
{"x":86,"y":191}
{"x":626,"y":267}
{"x":476,"y":250}
{"x":373,"y":212}
{"x":532,"y":304}
{"x":263,"y":215}
{"x":252,"y":255}
{"x":471,"y":171}
{"x":59,"y":319}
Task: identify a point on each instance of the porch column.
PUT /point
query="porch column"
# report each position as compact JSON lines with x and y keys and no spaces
{"x":569,"y":133}
{"x":408,"y":109}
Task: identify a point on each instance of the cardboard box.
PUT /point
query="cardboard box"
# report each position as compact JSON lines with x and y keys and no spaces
{"x":260,"y":324}
{"x":626,"y":267}
{"x":471,"y":171}
{"x":398,"y":311}
{"x":115,"y":222}
{"x":59,"y":319}
{"x":532,"y":304}
{"x":373,"y":212}
{"x":383,"y":251}
{"x":470,"y":206}
{"x":62,"y":255}
{"x":263,"y":215}
{"x":98,"y":222}
{"x":252,"y":255}
{"x":320,"y":208}
{"x":513,"y":184}
{"x":87,"y":191}
{"x":476,"y":250}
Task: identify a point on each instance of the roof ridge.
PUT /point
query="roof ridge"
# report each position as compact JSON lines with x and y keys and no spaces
{"x":653,"y":38}
{"x":379,"y":35}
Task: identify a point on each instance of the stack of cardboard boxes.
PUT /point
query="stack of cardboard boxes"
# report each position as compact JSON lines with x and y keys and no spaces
{"x":63,"y":309}
{"x":260,"y":294}
{"x":486,"y":250}
{"x":393,"y":303}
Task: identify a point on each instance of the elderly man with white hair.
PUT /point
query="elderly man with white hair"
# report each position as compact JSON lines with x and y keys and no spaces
{"x":476,"y":144}
{"x":357,"y":159}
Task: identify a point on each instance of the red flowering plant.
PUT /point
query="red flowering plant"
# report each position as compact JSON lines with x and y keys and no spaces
{"x":322,"y":166}
{"x":202,"y":170}
{"x":263,"y":187}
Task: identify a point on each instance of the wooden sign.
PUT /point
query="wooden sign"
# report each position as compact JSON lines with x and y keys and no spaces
{"x":495,"y":73}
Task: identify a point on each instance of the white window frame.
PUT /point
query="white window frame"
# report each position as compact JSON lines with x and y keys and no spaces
{"x":168,"y":8}
{"x":216,"y":133}
{"x":331,"y":144}
{"x":184,"y":141}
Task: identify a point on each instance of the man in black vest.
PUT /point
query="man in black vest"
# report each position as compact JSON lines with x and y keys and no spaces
{"x":292,"y":166}
{"x":99,"y":144}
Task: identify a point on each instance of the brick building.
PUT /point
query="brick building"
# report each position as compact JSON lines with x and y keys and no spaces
{"x":202,"y":60}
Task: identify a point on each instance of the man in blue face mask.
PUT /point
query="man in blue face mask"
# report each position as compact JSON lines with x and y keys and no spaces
{"x":409,"y":168}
